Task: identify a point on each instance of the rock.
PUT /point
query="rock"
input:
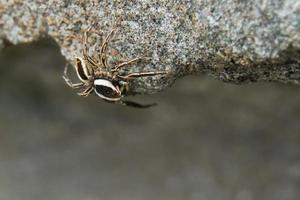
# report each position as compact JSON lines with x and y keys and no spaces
{"x":234,"y":41}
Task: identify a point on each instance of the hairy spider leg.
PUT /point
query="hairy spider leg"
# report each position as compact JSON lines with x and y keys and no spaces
{"x":86,"y":92}
{"x":119,"y":66}
{"x":141,"y":74}
{"x":103,"y":50}
{"x":84,"y":45}
{"x":68,"y":80}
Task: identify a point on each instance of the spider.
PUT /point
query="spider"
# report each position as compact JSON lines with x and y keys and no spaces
{"x":107,"y":82}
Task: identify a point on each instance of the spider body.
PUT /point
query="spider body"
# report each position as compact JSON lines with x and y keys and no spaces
{"x":107,"y":82}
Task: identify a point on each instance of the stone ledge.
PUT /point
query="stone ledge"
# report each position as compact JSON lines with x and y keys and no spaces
{"x":236,"y":42}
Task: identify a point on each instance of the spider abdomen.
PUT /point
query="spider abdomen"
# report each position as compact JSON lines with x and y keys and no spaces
{"x":107,"y":90}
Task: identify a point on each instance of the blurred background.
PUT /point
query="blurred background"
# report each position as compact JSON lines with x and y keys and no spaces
{"x":206,"y":140}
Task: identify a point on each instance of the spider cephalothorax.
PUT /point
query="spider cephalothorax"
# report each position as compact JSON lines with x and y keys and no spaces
{"x":97,"y":76}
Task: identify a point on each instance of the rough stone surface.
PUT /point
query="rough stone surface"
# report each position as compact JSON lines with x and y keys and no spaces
{"x":235,"y":41}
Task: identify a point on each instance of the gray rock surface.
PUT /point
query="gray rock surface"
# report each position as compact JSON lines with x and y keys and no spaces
{"x":235,"y":41}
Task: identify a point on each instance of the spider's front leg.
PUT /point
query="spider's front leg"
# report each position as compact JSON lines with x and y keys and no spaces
{"x":141,"y":74}
{"x":84,"y":44}
{"x":123,"y":64}
{"x":103,"y":49}
{"x":68,"y":80}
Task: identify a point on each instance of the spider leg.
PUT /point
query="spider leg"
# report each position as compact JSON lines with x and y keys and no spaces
{"x":119,"y":66}
{"x":68,"y":80}
{"x":141,"y":74}
{"x":103,"y":50}
{"x":86,"y":92}
{"x":135,"y":105}
{"x":73,"y":85}
{"x":84,"y":45}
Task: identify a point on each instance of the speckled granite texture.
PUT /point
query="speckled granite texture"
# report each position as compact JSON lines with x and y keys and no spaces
{"x":235,"y":41}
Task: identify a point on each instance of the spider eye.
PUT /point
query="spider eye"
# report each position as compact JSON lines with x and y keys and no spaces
{"x":106,"y":90}
{"x":81,"y":69}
